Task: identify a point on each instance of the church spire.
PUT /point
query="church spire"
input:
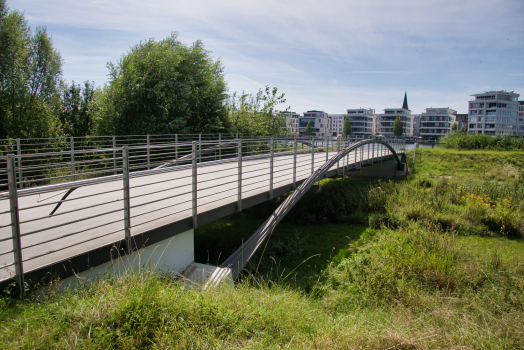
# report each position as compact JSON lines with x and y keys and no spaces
{"x":405,"y":104}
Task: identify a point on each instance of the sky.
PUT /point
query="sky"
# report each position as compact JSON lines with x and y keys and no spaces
{"x":328,"y":55}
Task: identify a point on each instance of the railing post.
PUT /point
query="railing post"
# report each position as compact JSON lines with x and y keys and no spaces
{"x":361,"y":156}
{"x":114,"y":155}
{"x":15,"y":223}
{"x":373,"y":154}
{"x":338,"y":151}
{"x":327,"y":148}
{"x":148,"y":166}
{"x":220,"y":146}
{"x":200,"y":148}
{"x":355,"y":161}
{"x":127,"y":204}
{"x":271,"y":149}
{"x":194,"y":185}
{"x":239,"y":199}
{"x":19,"y":153}
{"x":312,"y":155}
{"x":73,"y":177}
{"x":176,"y":149}
{"x":295,"y":164}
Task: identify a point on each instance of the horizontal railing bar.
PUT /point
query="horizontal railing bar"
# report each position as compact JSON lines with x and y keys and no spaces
{"x":70,"y":211}
{"x":69,"y":223}
{"x":72,"y":245}
{"x":70,"y":199}
{"x":71,"y":234}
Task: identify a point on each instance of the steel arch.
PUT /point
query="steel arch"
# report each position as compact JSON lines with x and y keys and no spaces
{"x":239,"y":259}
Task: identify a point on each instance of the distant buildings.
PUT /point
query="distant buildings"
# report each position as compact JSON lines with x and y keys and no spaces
{"x":494,"y":113}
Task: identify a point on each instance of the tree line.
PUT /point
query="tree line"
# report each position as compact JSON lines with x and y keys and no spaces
{"x":157,"y":87}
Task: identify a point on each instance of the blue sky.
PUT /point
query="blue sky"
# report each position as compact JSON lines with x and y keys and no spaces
{"x":324,"y":55}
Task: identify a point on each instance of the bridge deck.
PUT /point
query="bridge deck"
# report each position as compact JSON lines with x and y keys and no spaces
{"x":93,"y":216}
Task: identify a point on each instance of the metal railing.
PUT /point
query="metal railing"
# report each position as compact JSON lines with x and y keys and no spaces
{"x":105,"y":195}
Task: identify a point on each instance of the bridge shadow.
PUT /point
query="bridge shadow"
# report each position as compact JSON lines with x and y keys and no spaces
{"x":294,"y":255}
{"x":317,"y":231}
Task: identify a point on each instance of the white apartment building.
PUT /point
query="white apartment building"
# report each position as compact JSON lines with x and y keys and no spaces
{"x":495,"y":113}
{"x":436,"y":122}
{"x":362,"y":121}
{"x":387,"y":119}
{"x":337,"y":123}
{"x":319,"y":120}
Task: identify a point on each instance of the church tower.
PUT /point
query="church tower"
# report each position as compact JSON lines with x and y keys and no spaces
{"x":405,"y":104}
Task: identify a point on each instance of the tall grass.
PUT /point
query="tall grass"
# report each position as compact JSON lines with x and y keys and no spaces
{"x":461,"y":140}
{"x":424,"y":274}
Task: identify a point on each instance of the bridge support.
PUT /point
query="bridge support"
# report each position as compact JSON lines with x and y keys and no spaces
{"x":174,"y":255}
{"x":387,"y":169}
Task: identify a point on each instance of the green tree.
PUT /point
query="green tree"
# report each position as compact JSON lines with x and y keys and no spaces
{"x":398,"y":127}
{"x":454,"y":127}
{"x":30,"y":77}
{"x":308,"y":130}
{"x":163,"y":87}
{"x":77,"y":109}
{"x":255,"y":114}
{"x":347,"y":127}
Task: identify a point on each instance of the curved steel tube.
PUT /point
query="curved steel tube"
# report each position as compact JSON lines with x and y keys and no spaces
{"x":239,"y":259}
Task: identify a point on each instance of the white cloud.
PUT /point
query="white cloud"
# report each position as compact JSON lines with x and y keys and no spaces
{"x":373,"y":49}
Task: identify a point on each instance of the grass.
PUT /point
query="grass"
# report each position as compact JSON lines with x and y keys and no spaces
{"x":461,"y":140}
{"x":434,"y":260}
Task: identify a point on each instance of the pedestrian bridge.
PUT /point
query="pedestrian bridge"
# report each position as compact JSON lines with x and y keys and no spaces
{"x":65,"y":212}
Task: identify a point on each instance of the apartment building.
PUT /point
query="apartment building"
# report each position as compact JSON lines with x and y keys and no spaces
{"x":494,"y":113}
{"x":290,"y":122}
{"x":436,"y":122}
{"x":337,"y":123}
{"x":387,"y":119}
{"x":319,"y":120}
{"x":362,"y":121}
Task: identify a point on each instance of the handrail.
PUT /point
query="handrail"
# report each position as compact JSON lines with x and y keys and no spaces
{"x":239,"y":259}
{"x":189,"y":156}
